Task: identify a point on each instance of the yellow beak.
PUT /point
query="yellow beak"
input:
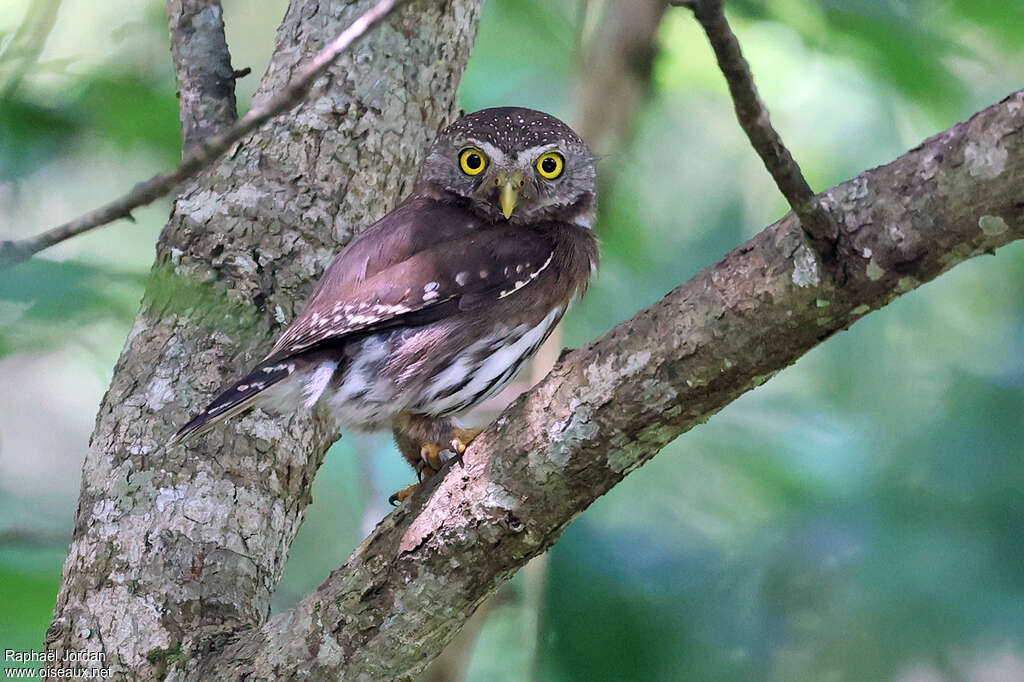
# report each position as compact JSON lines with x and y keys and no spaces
{"x":509,"y":192}
{"x":509,"y":197}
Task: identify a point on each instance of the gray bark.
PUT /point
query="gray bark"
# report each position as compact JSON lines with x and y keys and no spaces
{"x":173,"y":548}
{"x":202,"y":64}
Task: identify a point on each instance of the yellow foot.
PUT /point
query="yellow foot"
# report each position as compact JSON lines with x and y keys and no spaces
{"x":461,"y":438}
{"x":402,"y":495}
{"x":433,"y":456}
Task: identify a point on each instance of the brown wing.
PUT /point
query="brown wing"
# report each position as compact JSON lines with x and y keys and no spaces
{"x":420,"y":263}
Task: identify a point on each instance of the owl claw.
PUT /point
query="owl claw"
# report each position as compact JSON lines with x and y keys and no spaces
{"x":461,"y":442}
{"x":402,"y":495}
{"x":433,"y":456}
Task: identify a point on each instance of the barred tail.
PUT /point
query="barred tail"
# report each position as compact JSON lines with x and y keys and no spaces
{"x":239,"y":397}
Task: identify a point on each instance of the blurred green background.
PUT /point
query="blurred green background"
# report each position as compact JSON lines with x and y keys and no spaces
{"x":859,"y":517}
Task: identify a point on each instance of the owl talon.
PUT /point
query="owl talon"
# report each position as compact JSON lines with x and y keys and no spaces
{"x":402,"y":495}
{"x":461,"y":442}
{"x":432,"y":457}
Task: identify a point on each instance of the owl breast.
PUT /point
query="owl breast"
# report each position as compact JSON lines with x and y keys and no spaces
{"x":437,"y":370}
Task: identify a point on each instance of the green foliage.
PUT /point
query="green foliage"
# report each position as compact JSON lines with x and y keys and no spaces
{"x":29,"y":580}
{"x":911,"y":45}
{"x":533,"y":68}
{"x":44,"y":303}
{"x":132,"y":110}
{"x":129,"y":111}
{"x":32,"y":135}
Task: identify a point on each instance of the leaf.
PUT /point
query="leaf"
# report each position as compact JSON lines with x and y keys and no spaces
{"x":43,"y":302}
{"x":32,"y":135}
{"x":131,"y":110}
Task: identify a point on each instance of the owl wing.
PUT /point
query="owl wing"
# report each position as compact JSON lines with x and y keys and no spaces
{"x":420,"y":263}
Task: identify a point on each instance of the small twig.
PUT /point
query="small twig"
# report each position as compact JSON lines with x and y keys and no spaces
{"x":202,"y":65}
{"x":756,"y":123}
{"x":12,"y":252}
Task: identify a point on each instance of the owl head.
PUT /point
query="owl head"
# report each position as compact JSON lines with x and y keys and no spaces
{"x":515,"y":164}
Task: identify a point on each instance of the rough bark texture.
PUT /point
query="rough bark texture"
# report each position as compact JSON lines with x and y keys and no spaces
{"x":202,"y":64}
{"x":609,"y":407}
{"x":173,"y":548}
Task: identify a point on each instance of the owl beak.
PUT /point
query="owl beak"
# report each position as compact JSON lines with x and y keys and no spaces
{"x":510,"y":185}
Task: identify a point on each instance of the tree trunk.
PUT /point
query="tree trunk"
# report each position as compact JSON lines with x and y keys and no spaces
{"x":172,"y":548}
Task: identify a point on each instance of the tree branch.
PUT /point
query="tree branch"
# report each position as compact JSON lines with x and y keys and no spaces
{"x":202,"y":64}
{"x":756,"y":123}
{"x":206,"y":151}
{"x":609,"y":407}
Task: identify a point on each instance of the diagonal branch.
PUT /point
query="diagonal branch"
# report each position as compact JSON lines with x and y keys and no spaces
{"x":756,"y":123}
{"x":205,"y":153}
{"x":202,"y":64}
{"x":609,"y":407}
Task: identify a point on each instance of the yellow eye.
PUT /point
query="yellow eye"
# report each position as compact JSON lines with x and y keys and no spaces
{"x":550,"y":165}
{"x":472,"y":160}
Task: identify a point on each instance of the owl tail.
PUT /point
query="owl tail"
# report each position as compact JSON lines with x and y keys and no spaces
{"x":253,"y":390}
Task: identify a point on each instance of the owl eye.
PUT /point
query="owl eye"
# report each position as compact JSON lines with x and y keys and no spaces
{"x":550,"y":165}
{"x":472,"y":160}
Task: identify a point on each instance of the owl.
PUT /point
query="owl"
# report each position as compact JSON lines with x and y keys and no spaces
{"x":435,"y":307}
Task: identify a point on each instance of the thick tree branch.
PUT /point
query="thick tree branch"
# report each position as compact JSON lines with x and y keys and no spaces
{"x":609,"y":407}
{"x":756,"y":123}
{"x":206,"y":151}
{"x":202,"y":64}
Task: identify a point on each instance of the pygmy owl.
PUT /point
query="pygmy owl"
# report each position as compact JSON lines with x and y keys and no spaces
{"x":436,"y":306}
